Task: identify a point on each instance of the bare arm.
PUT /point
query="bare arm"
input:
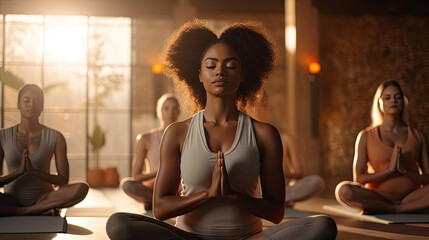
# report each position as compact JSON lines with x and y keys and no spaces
{"x":139,"y":160}
{"x":166,"y":202}
{"x":5,"y":179}
{"x":271,"y":205}
{"x":61,"y":162}
{"x":360,"y":167}
{"x":292,"y":168}
{"x":423,"y":161}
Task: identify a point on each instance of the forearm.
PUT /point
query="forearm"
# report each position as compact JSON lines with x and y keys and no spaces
{"x":53,"y":179}
{"x":373,"y":177}
{"x":9,"y":178}
{"x":171,"y":206}
{"x":144,"y":177}
{"x":418,"y":178}
{"x":271,"y":210}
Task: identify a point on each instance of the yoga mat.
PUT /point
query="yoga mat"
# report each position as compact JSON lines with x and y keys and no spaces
{"x":294,"y":213}
{"x":33,"y":224}
{"x":95,"y":204}
{"x":385,"y":218}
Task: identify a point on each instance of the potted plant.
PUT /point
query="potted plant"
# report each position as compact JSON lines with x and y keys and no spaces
{"x":95,"y":176}
{"x":103,"y":84}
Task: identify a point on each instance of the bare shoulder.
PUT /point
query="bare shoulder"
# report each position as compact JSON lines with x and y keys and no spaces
{"x":265,"y":131}
{"x":362,"y":135}
{"x":177,"y":129}
{"x":420,"y":134}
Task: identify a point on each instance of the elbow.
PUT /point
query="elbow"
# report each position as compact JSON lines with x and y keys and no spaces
{"x":62,"y":180}
{"x":158,"y":212}
{"x":278,"y":214}
{"x":277,"y":217}
{"x":360,"y":180}
{"x":298,"y":175}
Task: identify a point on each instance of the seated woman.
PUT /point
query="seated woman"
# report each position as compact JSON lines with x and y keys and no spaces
{"x":391,"y":164}
{"x":28,"y":149}
{"x":140,"y":186}
{"x":298,"y":187}
{"x":219,"y":154}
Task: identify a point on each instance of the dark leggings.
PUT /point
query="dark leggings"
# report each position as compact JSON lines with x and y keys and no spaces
{"x":123,"y":226}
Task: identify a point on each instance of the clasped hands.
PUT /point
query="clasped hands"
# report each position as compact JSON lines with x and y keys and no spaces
{"x":26,"y":165}
{"x":396,"y":161}
{"x":220,"y":182}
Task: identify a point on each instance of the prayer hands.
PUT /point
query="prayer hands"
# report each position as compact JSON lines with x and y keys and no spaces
{"x":25,"y":165}
{"x":400,"y":166}
{"x":22,"y":166}
{"x":396,"y":163}
{"x":220,"y":182}
{"x":28,"y":165}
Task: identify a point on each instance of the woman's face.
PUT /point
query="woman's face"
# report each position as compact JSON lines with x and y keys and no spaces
{"x":170,"y":111}
{"x":391,"y":101}
{"x":221,"y":70}
{"x":30,"y":103}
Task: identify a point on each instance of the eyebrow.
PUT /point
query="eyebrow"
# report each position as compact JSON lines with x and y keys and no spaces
{"x":226,"y":59}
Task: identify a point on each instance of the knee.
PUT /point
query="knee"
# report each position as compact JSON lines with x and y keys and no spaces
{"x":343,"y":191}
{"x":118,"y":227}
{"x":317,"y":182}
{"x":326,"y":227}
{"x":126,"y":185}
{"x":82,"y":190}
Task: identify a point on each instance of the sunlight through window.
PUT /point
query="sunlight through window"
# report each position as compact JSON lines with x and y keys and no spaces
{"x":65,"y":39}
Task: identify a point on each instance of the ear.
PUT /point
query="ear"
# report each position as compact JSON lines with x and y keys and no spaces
{"x":199,"y":75}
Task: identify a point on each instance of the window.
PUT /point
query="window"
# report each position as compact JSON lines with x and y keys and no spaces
{"x":83,"y":64}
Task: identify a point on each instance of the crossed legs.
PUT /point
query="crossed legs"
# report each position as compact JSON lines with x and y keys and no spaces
{"x":304,"y":188}
{"x":66,"y":196}
{"x":124,"y":226}
{"x":138,"y":191}
{"x":354,"y":195}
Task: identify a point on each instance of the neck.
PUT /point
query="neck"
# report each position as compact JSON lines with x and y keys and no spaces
{"x":220,"y":109}
{"x":391,"y":122}
{"x":29,"y":125}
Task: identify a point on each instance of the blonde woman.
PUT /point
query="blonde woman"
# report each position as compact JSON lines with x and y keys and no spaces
{"x":140,"y":185}
{"x":391,"y":163}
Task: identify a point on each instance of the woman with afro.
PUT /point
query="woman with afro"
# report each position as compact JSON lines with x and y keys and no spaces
{"x":220,"y":153}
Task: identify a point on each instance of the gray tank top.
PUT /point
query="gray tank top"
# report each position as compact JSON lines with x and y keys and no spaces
{"x":218,"y":218}
{"x":26,"y":188}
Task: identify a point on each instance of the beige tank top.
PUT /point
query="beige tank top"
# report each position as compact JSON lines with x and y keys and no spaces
{"x":218,"y":218}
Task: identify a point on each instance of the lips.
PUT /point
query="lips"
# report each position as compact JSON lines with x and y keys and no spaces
{"x":219,"y":83}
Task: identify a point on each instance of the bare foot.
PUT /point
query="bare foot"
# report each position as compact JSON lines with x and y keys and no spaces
{"x":51,"y":212}
{"x":148,"y":206}
{"x":290,"y":204}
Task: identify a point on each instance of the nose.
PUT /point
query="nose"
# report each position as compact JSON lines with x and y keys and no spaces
{"x":220,"y":71}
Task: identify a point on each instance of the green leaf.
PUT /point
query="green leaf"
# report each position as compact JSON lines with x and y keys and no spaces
{"x":98,"y":138}
{"x":53,"y":87}
{"x":11,"y":80}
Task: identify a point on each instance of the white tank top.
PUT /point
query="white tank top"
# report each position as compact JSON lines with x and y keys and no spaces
{"x":27,"y":188}
{"x":218,"y":218}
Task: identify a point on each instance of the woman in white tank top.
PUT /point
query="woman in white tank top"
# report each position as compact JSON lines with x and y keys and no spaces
{"x":218,"y":155}
{"x":28,"y":148}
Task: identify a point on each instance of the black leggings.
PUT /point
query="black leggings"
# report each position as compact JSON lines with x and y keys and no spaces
{"x":123,"y":226}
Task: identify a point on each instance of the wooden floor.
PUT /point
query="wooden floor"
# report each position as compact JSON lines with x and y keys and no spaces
{"x":93,"y":228}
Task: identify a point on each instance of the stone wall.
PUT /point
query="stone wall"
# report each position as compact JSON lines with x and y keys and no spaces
{"x":357,"y":53}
